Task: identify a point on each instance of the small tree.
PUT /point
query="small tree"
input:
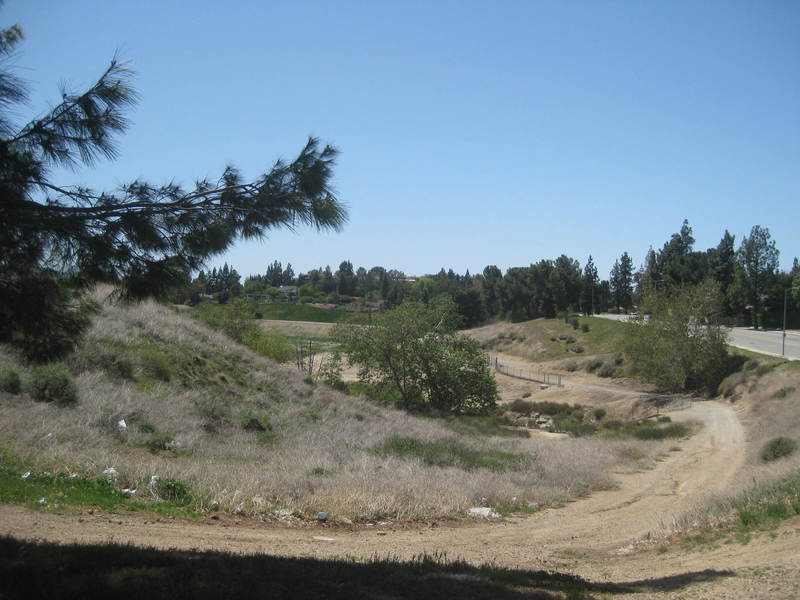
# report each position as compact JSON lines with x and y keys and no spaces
{"x":681,"y":345}
{"x":415,"y":349}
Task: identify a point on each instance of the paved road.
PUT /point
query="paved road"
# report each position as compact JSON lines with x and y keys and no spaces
{"x":766,"y":342}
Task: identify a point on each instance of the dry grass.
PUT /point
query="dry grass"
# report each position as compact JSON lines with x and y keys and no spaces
{"x":317,"y":456}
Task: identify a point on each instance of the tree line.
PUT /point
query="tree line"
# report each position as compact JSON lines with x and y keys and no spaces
{"x":751,"y":284}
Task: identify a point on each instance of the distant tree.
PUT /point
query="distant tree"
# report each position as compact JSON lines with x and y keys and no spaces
{"x":345,"y":279}
{"x":471,"y":309}
{"x":144,"y":238}
{"x":758,"y":261}
{"x":622,"y":282}
{"x":415,"y":350}
{"x":589,"y":283}
{"x":287,"y":277}
{"x":492,"y":277}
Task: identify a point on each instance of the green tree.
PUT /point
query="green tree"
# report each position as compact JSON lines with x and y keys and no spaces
{"x":758,"y":261}
{"x":415,"y":349}
{"x":622,"y":282}
{"x":143,"y":237}
{"x":589,"y":283}
{"x":682,"y":345}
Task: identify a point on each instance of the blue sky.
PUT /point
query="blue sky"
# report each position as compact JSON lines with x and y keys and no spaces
{"x":471,"y":133}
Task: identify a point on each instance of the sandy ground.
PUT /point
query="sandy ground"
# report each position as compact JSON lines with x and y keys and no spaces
{"x":616,"y":535}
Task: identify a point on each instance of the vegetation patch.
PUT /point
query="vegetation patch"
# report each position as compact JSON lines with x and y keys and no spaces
{"x":778,"y":447}
{"x":10,"y":381}
{"x":52,"y":383}
{"x":450,"y":452}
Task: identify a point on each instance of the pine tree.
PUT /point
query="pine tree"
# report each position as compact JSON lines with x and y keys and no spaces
{"x":142,"y":237}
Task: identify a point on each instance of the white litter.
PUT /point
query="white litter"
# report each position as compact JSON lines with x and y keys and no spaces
{"x":26,"y":475}
{"x":483,"y":511}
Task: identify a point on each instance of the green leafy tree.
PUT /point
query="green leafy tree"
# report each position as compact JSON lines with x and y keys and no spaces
{"x":681,"y":345}
{"x":414,"y":348}
{"x":143,"y":237}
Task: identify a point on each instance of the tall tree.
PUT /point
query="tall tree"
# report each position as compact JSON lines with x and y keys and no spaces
{"x":589,"y":283}
{"x":758,"y":261}
{"x":492,"y":277}
{"x":143,"y":237}
{"x":622,"y":282}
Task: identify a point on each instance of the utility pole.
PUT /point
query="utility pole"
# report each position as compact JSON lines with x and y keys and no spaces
{"x":783,"y":339}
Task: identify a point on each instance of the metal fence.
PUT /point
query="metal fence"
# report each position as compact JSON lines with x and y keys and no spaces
{"x":528,"y":374}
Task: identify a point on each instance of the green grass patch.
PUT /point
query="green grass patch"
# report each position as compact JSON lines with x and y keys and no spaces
{"x":603,"y":337}
{"x":450,"y":452}
{"x":22,"y":483}
{"x":287,"y":311}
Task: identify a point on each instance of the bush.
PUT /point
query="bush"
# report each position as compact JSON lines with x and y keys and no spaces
{"x":675,"y":430}
{"x":783,"y":392}
{"x":606,"y":371}
{"x":585,"y":327}
{"x":52,"y":383}
{"x":599,"y":413}
{"x":172,"y":491}
{"x":576,"y":349}
{"x":571,"y":366}
{"x":574,"y":322}
{"x":10,"y":381}
{"x":252,"y":422}
{"x":778,"y":447}
{"x":593,"y":365}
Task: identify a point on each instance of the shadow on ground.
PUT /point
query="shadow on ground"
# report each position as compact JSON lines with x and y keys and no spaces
{"x":46,"y":570}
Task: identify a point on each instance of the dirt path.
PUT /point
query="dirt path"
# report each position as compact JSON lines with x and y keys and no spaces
{"x":594,"y":537}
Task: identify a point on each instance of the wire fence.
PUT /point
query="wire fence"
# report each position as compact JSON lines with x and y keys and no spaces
{"x":528,"y":374}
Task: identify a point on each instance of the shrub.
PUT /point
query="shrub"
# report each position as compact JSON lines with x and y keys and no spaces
{"x":675,"y":430}
{"x":521,"y":406}
{"x":664,"y":419}
{"x":574,"y":322}
{"x":783,"y":392}
{"x":728,"y":385}
{"x":52,"y":383}
{"x":146,"y":427}
{"x":599,"y":413}
{"x":778,"y":447}
{"x":572,"y":366}
{"x":606,"y":371}
{"x":172,"y":491}
{"x":593,"y":365}
{"x":10,"y":381}
{"x":585,"y":327}
{"x":576,"y":349}
{"x":570,"y":339}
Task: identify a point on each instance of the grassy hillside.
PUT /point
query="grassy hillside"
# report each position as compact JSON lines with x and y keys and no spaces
{"x":551,"y":339}
{"x":231,"y":430}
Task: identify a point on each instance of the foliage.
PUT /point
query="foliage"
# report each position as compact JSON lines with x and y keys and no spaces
{"x":681,"y":346}
{"x":758,"y":260}
{"x":144,"y":237}
{"x":171,"y":490}
{"x":52,"y":383}
{"x":415,"y":349}
{"x":778,"y":447}
{"x":10,"y":381}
